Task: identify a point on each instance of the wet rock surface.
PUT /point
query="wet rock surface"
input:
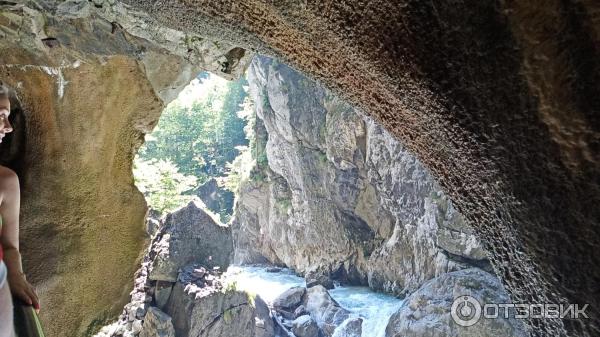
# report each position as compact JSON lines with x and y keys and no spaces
{"x":305,"y":326}
{"x":290,"y":299}
{"x":316,"y":314}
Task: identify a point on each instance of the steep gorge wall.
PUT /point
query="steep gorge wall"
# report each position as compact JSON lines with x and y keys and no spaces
{"x":90,"y":79}
{"x":340,"y":196}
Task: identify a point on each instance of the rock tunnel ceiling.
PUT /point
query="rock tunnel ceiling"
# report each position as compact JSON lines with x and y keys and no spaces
{"x":498,"y":99}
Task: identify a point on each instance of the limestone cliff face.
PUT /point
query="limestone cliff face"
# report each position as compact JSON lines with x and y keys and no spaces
{"x":90,"y":78}
{"x":341,"y":196}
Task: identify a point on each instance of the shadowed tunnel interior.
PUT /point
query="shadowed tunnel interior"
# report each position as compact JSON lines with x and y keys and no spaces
{"x":499,"y":100}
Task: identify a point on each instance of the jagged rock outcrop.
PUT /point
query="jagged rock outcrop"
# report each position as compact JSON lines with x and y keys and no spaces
{"x":157,"y":324}
{"x":91,"y":78}
{"x":427,"y":312}
{"x":190,"y":235}
{"x":498,"y":100}
{"x":342,"y":198}
{"x":226,"y":313}
{"x":326,"y":312}
{"x":198,"y":301}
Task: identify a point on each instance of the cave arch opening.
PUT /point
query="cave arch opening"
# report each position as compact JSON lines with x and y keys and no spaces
{"x":466,"y":87}
{"x":193,"y":150}
{"x":336,"y":198}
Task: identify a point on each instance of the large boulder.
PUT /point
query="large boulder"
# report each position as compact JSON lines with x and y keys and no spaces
{"x":326,"y":312}
{"x":190,"y":235}
{"x":305,"y":326}
{"x":218,"y":314}
{"x":157,"y":324}
{"x":352,"y":327}
{"x":428,"y":311}
{"x":290,"y":299}
{"x":313,"y":312}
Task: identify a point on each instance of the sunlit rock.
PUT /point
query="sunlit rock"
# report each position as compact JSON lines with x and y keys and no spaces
{"x":342,"y":199}
{"x":428,"y":311}
{"x":190,"y":235}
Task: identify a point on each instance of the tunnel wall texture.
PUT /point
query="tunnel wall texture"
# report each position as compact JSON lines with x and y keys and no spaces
{"x":90,"y":80}
{"x":499,"y":99}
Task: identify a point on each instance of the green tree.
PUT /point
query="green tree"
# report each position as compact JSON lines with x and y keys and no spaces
{"x":203,"y":138}
{"x":200,"y":138}
{"x":162,"y":184}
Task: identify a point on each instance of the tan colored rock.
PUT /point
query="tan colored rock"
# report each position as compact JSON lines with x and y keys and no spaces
{"x":82,"y":217}
{"x":89,"y":89}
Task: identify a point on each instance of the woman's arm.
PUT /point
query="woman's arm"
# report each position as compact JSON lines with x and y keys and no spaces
{"x":9,"y":209}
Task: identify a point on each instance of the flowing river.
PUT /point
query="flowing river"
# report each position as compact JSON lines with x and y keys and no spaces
{"x":375,"y":308}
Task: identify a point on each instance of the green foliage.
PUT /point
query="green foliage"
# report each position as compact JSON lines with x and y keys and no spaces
{"x":251,"y":298}
{"x":227,"y":316}
{"x":283,"y":205}
{"x":322,"y":157}
{"x":323,"y":131}
{"x":231,"y":286}
{"x":196,"y":137}
{"x":265,"y":99}
{"x":200,"y":139}
{"x":162,"y":184}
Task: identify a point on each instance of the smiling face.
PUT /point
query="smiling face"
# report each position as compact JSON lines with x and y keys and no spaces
{"x":5,"y":126}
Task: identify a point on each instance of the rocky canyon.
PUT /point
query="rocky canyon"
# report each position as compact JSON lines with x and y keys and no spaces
{"x":423,"y":150}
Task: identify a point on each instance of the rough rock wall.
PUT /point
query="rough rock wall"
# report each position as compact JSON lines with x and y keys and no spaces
{"x":180,"y":289}
{"x":427,"y":312}
{"x":499,"y":99}
{"x":91,"y":79}
{"x":341,"y":196}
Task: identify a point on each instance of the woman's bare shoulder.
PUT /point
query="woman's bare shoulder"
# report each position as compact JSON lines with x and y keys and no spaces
{"x":7,"y":176}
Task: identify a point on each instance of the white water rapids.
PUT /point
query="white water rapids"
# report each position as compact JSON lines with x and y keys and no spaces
{"x":375,"y":308}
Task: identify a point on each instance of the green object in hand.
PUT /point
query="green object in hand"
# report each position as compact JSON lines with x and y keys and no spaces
{"x":27,"y":322}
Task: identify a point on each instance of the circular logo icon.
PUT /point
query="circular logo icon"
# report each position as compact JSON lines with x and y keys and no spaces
{"x":466,"y":310}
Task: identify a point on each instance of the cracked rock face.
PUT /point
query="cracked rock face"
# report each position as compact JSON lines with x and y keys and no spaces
{"x":342,"y":196}
{"x":228,"y":313}
{"x":91,"y":78}
{"x":190,"y":235}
